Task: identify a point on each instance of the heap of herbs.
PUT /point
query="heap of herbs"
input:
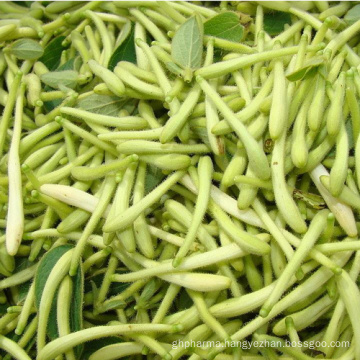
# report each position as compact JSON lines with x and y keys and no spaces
{"x":175,"y":175}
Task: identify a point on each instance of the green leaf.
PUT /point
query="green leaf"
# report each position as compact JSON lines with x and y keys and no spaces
{"x":352,"y":15}
{"x":60,"y":79}
{"x":43,"y":271}
{"x":76,"y":315}
{"x":274,"y":22}
{"x":94,"y":345}
{"x":71,"y":64}
{"x":23,"y":291}
{"x":305,"y":70}
{"x":26,"y":49}
{"x":12,"y":336}
{"x":225,"y":26}
{"x":114,"y":289}
{"x":202,"y":134}
{"x":126,"y":50}
{"x":102,"y":104}
{"x":3,"y":309}
{"x":350,"y":134}
{"x":154,"y":176}
{"x":183,"y":301}
{"x":218,"y":54}
{"x":46,"y":264}
{"x":52,"y":53}
{"x":25,"y":3}
{"x":187,"y":44}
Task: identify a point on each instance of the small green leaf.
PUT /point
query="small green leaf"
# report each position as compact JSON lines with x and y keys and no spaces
{"x":60,"y":79}
{"x":102,"y":104}
{"x":125,"y":51}
{"x":225,"y":26}
{"x":69,"y":65}
{"x":353,"y":15}
{"x":305,"y":70}
{"x":312,"y":200}
{"x":26,"y":49}
{"x":72,"y":64}
{"x":52,"y":53}
{"x":187,"y":44}
{"x":274,"y":22}
{"x":154,"y":176}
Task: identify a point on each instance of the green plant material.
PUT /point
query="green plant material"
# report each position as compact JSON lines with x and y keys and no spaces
{"x":52,"y":53}
{"x":353,"y":15}
{"x":225,"y":26}
{"x":94,"y":345}
{"x":72,"y":65}
{"x":26,"y":49}
{"x":187,"y":44}
{"x":152,"y":193}
{"x":45,"y":266}
{"x":125,"y":51}
{"x":274,"y":22}
{"x":60,"y":79}
{"x":154,"y":176}
{"x":103,"y":104}
{"x":307,"y":70}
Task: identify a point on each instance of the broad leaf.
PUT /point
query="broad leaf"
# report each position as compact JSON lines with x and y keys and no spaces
{"x":102,"y":104}
{"x":187,"y":44}
{"x":154,"y":176}
{"x":305,"y":70}
{"x":26,"y":49}
{"x":72,"y":64}
{"x":44,"y":269}
{"x":126,"y":50}
{"x":225,"y":26}
{"x":353,"y":15}
{"x":274,"y":22}
{"x":52,"y":53}
{"x":60,"y":79}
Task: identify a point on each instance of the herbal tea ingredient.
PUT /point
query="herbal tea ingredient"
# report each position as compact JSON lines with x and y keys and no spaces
{"x":177,"y":178}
